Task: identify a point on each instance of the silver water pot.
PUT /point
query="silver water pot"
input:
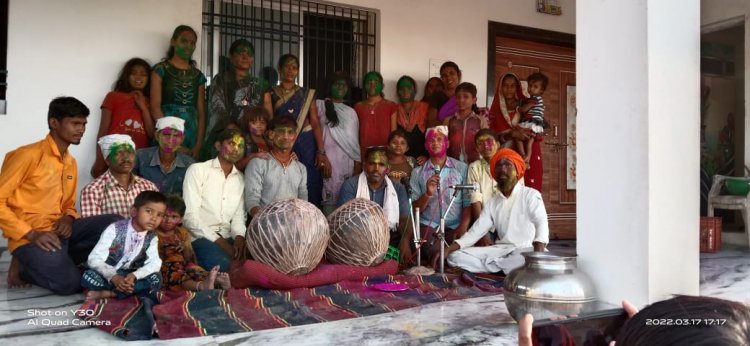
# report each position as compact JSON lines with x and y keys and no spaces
{"x":547,"y":285}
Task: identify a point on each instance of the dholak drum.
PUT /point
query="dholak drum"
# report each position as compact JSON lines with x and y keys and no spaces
{"x":290,"y":235}
{"x":359,"y":234}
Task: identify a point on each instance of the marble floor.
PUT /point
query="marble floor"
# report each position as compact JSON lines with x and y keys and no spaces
{"x":35,"y":316}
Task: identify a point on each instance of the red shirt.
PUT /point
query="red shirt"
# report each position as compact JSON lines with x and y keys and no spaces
{"x":374,"y":123}
{"x":127,"y":118}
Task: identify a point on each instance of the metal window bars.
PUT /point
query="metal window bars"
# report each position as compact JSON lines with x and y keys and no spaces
{"x":327,"y":38}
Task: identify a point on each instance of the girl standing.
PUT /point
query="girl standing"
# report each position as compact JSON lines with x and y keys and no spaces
{"x":178,"y":88}
{"x":125,"y":110}
{"x":464,"y":124}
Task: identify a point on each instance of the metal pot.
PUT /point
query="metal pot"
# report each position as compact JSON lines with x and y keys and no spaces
{"x":548,"y":285}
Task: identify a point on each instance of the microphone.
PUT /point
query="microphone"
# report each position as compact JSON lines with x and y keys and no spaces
{"x":407,"y":186}
{"x":474,"y":186}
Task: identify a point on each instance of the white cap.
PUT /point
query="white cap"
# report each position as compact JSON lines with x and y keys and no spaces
{"x":106,"y":142}
{"x":173,"y":122}
{"x":440,"y":129}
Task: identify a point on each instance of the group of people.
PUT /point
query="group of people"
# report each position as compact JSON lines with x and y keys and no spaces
{"x":188,"y":182}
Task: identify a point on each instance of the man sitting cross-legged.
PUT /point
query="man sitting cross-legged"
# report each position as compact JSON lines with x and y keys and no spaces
{"x":281,"y":175}
{"x":518,"y":216}
{"x":37,"y":205}
{"x":373,"y":184}
{"x":114,"y":191}
{"x":215,"y":212}
{"x":430,"y":186}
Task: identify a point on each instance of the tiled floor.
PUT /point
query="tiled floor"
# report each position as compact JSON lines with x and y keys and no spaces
{"x":473,"y":321}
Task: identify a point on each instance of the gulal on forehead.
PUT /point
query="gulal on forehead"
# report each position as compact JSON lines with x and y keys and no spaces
{"x":378,"y":157}
{"x":117,"y":147}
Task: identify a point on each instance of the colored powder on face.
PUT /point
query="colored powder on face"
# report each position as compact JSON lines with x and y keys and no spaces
{"x":431,"y":135}
{"x":116,"y":148}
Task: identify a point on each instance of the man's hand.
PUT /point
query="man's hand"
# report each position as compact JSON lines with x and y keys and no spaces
{"x":538,"y":246}
{"x":524,"y":330}
{"x":224,"y":245}
{"x":240,"y":248}
{"x":122,"y":284}
{"x":405,"y":249}
{"x":435,"y":260}
{"x":432,"y":185}
{"x":47,"y":241}
{"x":63,"y":227}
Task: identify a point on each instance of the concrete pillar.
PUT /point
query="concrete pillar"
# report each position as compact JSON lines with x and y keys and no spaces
{"x":638,"y":71}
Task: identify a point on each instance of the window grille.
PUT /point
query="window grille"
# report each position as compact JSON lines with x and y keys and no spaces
{"x":327,"y":38}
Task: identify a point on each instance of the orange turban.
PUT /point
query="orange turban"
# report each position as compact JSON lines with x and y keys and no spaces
{"x":513,"y":157}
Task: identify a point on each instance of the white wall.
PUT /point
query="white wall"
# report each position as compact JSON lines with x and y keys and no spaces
{"x":411,"y":32}
{"x":718,"y":14}
{"x":638,"y":146}
{"x":77,"y":48}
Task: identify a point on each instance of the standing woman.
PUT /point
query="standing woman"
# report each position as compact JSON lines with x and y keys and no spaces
{"x":178,"y":89}
{"x":443,"y":104}
{"x":411,"y":117}
{"x":434,"y":85}
{"x":340,"y":128}
{"x":504,"y":117}
{"x":290,"y":99}
{"x":236,"y":89}
{"x":374,"y":113}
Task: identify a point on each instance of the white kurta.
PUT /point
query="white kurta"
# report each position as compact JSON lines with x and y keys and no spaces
{"x":519,"y":220}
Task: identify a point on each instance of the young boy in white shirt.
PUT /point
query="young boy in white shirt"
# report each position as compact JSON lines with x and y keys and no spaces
{"x":126,"y":260}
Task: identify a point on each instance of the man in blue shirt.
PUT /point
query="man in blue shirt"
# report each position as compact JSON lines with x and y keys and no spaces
{"x":163,"y":164}
{"x":373,"y":184}
{"x":431,"y":192}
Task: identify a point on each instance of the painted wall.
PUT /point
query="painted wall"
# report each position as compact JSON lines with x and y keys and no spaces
{"x":77,"y":48}
{"x":412,"y":32}
{"x":720,"y":14}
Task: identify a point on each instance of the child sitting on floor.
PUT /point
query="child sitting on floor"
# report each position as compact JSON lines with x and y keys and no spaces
{"x":126,"y":260}
{"x":178,"y":268}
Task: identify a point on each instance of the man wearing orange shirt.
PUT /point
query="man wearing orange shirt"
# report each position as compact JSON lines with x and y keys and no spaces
{"x":37,"y":205}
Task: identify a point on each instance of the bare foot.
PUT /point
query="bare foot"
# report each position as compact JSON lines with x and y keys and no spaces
{"x":96,"y":295}
{"x":14,"y":275}
{"x":209,"y":282}
{"x":223,"y":280}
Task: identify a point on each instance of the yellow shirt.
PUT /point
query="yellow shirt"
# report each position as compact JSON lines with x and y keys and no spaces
{"x":37,"y":187}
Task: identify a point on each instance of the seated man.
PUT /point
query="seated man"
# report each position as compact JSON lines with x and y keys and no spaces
{"x":373,"y":184}
{"x":214,"y":210}
{"x":281,"y":175}
{"x":479,"y":172}
{"x":431,"y":194}
{"x":163,"y":164}
{"x":518,"y":216}
{"x":37,"y":205}
{"x":114,"y":191}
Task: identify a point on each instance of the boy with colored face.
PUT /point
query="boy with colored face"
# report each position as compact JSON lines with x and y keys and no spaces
{"x":164,"y":165}
{"x":114,"y":191}
{"x":126,"y":259}
{"x":479,"y":171}
{"x":279,"y":177}
{"x":432,"y":195}
{"x":516,"y":214}
{"x":215,"y":212}
{"x":464,"y":124}
{"x":46,"y":237}
{"x":373,"y":184}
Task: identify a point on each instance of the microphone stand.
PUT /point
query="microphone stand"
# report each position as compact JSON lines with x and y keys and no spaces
{"x":414,"y":214}
{"x":441,"y":231}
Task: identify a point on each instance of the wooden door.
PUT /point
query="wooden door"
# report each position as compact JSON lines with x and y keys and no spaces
{"x":524,"y":57}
